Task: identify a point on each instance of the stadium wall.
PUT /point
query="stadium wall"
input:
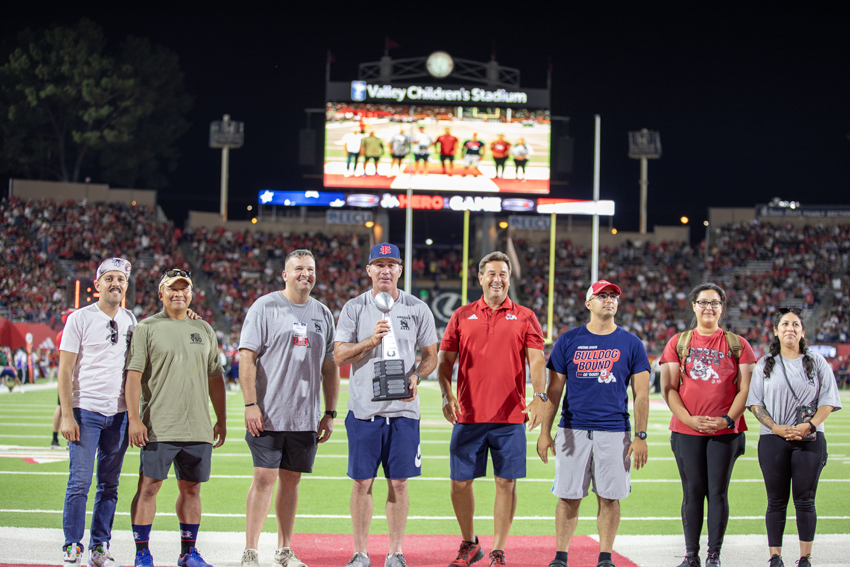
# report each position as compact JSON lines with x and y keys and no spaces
{"x":315,"y":224}
{"x":14,"y":334}
{"x":93,"y":192}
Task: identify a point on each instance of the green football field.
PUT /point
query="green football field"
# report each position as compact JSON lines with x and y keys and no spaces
{"x":33,"y":479}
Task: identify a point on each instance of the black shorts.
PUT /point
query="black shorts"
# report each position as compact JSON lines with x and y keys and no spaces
{"x":399,"y":156}
{"x":420,"y":157}
{"x":373,"y":158}
{"x":191,"y":460}
{"x":500,"y":160}
{"x":289,"y":450}
{"x":444,"y":157}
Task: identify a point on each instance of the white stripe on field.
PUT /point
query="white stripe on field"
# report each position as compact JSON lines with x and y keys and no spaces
{"x":452,"y":518}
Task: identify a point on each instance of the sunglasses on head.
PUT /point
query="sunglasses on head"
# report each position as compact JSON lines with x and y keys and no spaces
{"x":795,"y":310}
{"x":113,"y":331}
{"x":174,"y":273}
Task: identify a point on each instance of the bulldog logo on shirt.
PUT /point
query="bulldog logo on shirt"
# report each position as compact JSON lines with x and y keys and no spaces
{"x":596,"y":363}
{"x":703,"y":371}
{"x":196,"y":339}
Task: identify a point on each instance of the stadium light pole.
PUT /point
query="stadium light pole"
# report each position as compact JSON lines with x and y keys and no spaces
{"x":594,"y":265}
{"x":408,"y":220}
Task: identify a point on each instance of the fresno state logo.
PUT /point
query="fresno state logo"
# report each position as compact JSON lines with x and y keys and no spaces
{"x":385,"y":249}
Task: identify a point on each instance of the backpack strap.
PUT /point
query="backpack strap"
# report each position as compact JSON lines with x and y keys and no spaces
{"x":734,"y":342}
{"x":682,"y":345}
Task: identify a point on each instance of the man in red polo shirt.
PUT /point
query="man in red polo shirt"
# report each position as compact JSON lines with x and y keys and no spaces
{"x":493,"y":339}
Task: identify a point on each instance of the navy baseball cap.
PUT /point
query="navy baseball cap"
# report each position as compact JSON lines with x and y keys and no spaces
{"x":385,"y":250}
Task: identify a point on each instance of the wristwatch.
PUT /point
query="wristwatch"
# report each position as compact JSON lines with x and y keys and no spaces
{"x":331,"y":413}
{"x":418,"y":377}
{"x":812,"y":427}
{"x":730,"y":423}
{"x":542,"y":396}
{"x":641,"y":435}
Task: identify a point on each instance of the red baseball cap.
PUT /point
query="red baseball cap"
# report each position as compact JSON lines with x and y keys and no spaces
{"x":599,"y":287}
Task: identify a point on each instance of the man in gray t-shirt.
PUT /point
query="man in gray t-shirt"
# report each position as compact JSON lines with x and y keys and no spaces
{"x":383,"y":433}
{"x":285,"y":358}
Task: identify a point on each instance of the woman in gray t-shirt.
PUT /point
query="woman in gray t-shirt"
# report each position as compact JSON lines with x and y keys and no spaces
{"x":785,"y":379}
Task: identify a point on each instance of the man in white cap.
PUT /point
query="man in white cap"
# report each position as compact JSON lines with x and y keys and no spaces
{"x":92,"y":356}
{"x":597,"y":361}
{"x":174,"y":371}
{"x":384,"y":433}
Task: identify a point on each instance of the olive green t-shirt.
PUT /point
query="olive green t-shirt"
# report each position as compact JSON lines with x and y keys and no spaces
{"x":176,"y":358}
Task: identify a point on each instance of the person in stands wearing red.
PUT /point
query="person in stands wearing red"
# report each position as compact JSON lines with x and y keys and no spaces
{"x":500,"y":149}
{"x":705,"y":379}
{"x":448,"y":149}
{"x":492,"y":340}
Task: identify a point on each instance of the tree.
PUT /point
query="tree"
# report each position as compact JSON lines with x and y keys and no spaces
{"x":143,"y":160}
{"x":66,"y":101}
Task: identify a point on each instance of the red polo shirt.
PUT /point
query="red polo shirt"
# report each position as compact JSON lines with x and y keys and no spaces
{"x":491,"y":359}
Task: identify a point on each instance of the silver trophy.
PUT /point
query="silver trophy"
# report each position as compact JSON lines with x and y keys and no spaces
{"x":390,"y":381}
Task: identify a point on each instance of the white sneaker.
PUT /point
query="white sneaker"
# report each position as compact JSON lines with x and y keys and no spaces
{"x":73,"y":554}
{"x":287,"y":558}
{"x":250,"y":558}
{"x":359,"y":560}
{"x":99,"y":556}
{"x":395,"y":560}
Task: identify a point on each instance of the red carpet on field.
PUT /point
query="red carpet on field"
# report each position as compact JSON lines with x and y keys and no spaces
{"x":334,"y":550}
{"x":322,"y":550}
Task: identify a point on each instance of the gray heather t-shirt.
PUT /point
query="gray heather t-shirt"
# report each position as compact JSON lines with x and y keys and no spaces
{"x":775,"y":396}
{"x":413,"y":325}
{"x":289,"y":360}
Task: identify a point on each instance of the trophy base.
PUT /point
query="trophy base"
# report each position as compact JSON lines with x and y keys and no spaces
{"x":390,"y":382}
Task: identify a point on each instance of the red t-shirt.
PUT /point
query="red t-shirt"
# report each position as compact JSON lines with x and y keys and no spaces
{"x":500,"y":149}
{"x":447,"y":144}
{"x":491,"y":359}
{"x":708,"y":386}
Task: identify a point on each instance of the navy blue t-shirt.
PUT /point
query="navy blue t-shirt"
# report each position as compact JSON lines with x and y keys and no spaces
{"x":598,"y":368}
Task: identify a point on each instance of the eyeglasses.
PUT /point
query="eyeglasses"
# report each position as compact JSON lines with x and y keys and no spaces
{"x":795,"y":310}
{"x":113,"y":331}
{"x":174,"y":273}
{"x":707,"y":304}
{"x":603,"y":297}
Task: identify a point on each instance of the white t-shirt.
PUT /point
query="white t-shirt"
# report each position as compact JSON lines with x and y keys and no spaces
{"x":98,"y":376}
{"x":352,"y":141}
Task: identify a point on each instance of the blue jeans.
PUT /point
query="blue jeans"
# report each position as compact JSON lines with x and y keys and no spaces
{"x":106,"y":436}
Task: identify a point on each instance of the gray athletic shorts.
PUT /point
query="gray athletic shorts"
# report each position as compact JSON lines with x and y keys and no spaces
{"x":582,"y":456}
{"x":289,"y":450}
{"x":471,"y":160}
{"x":191,"y":460}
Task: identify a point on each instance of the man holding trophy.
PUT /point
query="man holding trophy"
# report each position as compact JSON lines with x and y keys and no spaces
{"x":378,"y":333}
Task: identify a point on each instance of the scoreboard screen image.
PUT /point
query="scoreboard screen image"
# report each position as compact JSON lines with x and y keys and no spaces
{"x":437,"y":148}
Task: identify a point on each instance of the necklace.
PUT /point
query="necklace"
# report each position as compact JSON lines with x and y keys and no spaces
{"x":303,"y":308}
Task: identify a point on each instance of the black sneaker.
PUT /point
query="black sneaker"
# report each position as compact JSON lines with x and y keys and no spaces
{"x":691,"y":560}
{"x":557,"y":563}
{"x":606,"y":563}
{"x":776,"y":561}
{"x":805,"y":561}
{"x":713,"y":560}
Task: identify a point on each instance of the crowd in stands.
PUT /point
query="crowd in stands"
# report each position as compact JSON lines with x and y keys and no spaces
{"x":654,"y":278}
{"x":243,"y":266}
{"x":835,"y":323}
{"x":45,"y":243}
{"x":798,"y":264}
{"x":760,"y":265}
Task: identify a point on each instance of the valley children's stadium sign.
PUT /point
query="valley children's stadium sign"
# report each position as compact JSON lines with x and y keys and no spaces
{"x":363,"y":91}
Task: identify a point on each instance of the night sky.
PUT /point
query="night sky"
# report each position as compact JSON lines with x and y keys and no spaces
{"x":751,"y":103}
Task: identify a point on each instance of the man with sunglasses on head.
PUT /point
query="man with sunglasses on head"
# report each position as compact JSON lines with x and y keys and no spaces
{"x":92,"y":357}
{"x":174,"y":371}
{"x":596,"y":362}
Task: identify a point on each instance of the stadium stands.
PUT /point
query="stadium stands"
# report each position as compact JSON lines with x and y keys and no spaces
{"x":45,"y":243}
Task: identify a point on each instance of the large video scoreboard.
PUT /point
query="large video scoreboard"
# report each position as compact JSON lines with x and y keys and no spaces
{"x":427,"y":136}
